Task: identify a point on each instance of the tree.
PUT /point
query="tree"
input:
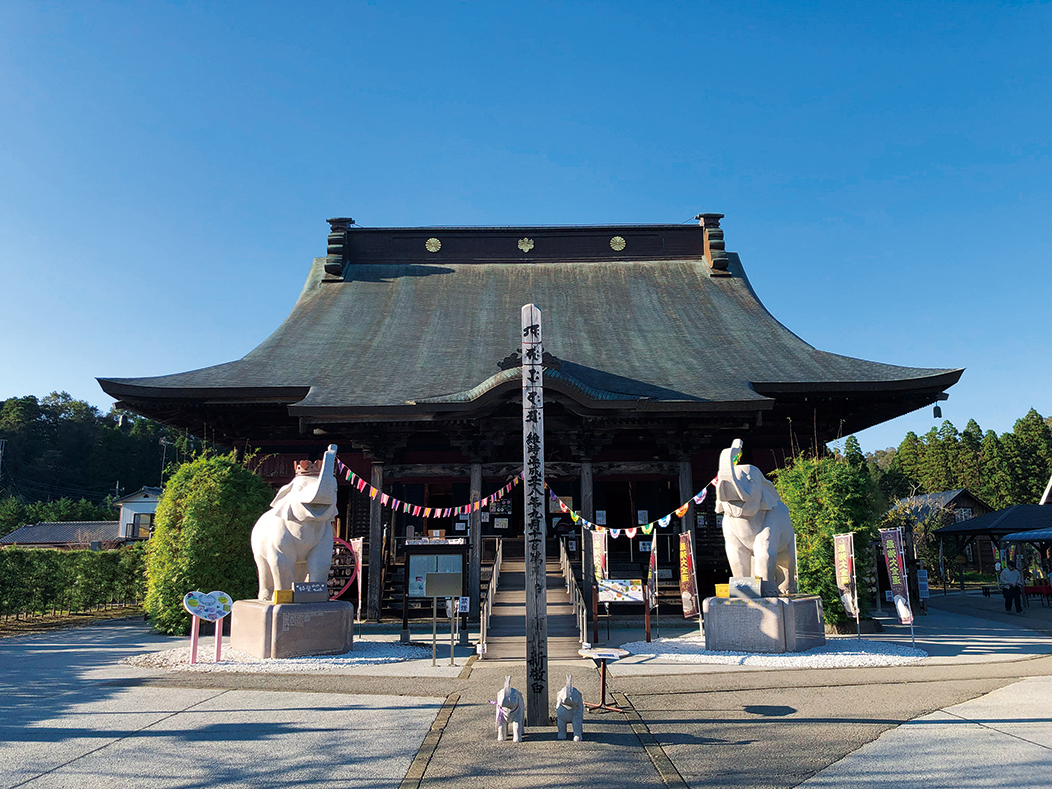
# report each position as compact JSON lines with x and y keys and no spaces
{"x":201,"y":535}
{"x":827,"y":496}
{"x":13,"y":513}
{"x":62,"y":449}
{"x":969,"y":459}
{"x":910,"y":456}
{"x":995,"y":476}
{"x":1028,"y":456}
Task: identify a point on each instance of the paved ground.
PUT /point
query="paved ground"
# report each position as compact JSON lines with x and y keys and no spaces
{"x":976,"y":714}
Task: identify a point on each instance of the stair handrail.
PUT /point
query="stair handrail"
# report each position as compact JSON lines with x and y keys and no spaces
{"x":488,"y":593}
{"x":580,"y":607}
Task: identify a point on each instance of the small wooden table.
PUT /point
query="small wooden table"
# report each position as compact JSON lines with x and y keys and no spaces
{"x":603,"y":654}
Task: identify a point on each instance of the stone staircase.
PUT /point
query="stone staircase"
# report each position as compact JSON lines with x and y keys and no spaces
{"x":506,"y":636}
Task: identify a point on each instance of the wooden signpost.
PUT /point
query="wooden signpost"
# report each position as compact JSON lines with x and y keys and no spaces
{"x":533,"y":468}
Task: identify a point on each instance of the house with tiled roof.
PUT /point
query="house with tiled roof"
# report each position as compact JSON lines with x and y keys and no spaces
{"x":134,"y":523}
{"x":948,"y":507}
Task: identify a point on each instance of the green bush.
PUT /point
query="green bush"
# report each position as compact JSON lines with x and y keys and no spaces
{"x":200,"y":540}
{"x":826,"y":496}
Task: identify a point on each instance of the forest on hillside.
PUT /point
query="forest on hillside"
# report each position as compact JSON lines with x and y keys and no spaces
{"x":63,"y":459}
{"x":999,"y":470}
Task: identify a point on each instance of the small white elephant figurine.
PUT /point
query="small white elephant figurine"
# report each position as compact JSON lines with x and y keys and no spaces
{"x":757,"y":532}
{"x":292,"y":541}
{"x":569,"y":709}
{"x":510,"y":712}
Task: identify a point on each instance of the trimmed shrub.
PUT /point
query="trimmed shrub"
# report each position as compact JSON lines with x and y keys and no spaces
{"x":201,"y":537}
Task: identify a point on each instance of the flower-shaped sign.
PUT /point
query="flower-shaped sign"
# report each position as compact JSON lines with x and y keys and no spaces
{"x":212,"y":606}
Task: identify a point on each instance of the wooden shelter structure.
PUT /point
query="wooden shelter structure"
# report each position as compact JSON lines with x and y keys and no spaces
{"x":999,"y":526}
{"x":404,"y":350}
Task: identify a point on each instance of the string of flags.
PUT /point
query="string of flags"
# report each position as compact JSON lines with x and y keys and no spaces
{"x":447,"y":512}
{"x":424,"y":512}
{"x":646,"y":528}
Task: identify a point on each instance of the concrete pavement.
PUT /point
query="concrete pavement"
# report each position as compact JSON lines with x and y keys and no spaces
{"x":973,"y":715}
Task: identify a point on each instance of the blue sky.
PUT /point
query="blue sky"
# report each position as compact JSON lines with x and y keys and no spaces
{"x":166,"y":169}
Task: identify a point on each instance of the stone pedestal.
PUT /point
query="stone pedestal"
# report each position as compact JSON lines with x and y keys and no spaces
{"x":765,"y":624}
{"x":288,"y":630}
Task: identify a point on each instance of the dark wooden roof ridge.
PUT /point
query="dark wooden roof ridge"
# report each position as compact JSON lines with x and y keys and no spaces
{"x":429,"y":334}
{"x":1015,"y":517}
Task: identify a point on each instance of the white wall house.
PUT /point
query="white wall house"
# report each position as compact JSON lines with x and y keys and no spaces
{"x":137,"y":511}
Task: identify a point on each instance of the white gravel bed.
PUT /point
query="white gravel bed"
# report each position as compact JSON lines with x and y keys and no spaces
{"x":837,"y":653}
{"x":365,"y":653}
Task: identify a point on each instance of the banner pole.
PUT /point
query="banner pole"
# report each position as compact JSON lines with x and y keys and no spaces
{"x":697,"y":590}
{"x":854,"y":585}
{"x":906,"y":578}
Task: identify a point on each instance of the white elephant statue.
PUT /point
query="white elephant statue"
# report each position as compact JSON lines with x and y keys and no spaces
{"x":292,"y":541}
{"x":757,"y":531}
{"x":511,"y":712}
{"x":569,"y":711}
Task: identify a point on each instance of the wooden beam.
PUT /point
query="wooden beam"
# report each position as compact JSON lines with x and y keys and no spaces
{"x":376,"y":544}
{"x":588,"y":513}
{"x":475,"y":542}
{"x":686,"y":493}
{"x":565,"y":469}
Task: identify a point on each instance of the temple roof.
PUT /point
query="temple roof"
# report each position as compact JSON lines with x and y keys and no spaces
{"x":666,"y":323}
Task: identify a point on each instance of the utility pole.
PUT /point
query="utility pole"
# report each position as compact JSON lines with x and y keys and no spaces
{"x":165,"y":443}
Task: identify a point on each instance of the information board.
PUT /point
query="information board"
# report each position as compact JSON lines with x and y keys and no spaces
{"x":620,"y":591}
{"x":419,"y":565}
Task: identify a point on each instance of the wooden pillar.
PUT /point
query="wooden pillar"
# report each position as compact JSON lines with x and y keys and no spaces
{"x":686,"y":493}
{"x":535,"y":499}
{"x":475,"y":542}
{"x":588,"y":513}
{"x":376,"y":539}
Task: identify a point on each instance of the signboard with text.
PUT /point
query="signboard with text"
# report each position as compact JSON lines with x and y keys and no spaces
{"x":891,"y":548}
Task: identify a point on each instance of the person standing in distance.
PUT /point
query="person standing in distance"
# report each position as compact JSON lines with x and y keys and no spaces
{"x":1012,"y":587}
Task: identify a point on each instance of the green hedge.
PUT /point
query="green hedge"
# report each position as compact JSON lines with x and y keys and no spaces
{"x":42,"y":580}
{"x":201,"y":535}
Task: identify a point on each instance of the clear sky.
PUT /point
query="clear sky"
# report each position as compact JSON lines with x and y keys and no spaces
{"x":166,"y":169}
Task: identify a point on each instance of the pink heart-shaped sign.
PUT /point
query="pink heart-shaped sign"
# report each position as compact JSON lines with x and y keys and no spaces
{"x":212,"y":606}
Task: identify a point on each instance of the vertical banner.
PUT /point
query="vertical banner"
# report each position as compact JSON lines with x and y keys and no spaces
{"x":356,"y":546}
{"x":533,"y":472}
{"x":652,"y":579}
{"x":688,"y":585}
{"x":602,"y":570}
{"x":844,"y":559}
{"x":891,"y":547}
